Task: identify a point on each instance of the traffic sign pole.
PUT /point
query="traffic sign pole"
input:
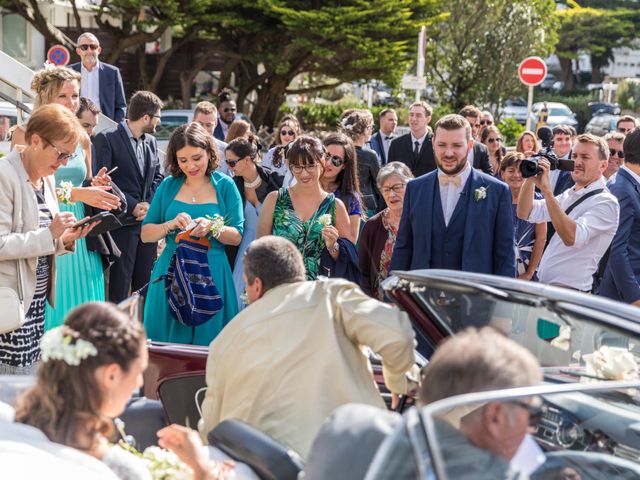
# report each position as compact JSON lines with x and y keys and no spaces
{"x":529,"y":108}
{"x":532,"y":71}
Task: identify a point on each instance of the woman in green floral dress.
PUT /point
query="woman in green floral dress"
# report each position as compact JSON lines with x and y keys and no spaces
{"x":304,"y":213}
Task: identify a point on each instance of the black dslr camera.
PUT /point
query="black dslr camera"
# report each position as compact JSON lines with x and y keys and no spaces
{"x":529,"y":166}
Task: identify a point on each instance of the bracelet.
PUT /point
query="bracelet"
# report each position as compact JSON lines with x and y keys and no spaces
{"x":63,"y":193}
{"x":255,"y":184}
{"x":217,"y":233}
{"x":165,"y":229}
{"x":335,"y":248}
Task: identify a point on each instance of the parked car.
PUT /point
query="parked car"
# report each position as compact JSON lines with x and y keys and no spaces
{"x":559,"y":114}
{"x":604,"y":107}
{"x":515,"y":108}
{"x":550,"y":82}
{"x":601,"y":124}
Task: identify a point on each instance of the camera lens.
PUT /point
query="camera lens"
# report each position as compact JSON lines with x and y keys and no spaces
{"x":529,"y":168}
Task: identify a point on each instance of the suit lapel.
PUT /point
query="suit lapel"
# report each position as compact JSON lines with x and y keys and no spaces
{"x":102,"y":81}
{"x":380,"y":140}
{"x":629,"y":179}
{"x":475,"y":209}
{"x":127,"y":143}
{"x":433,"y":205}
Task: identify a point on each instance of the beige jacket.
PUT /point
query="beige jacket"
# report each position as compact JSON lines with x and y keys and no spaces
{"x":21,"y":239}
{"x":288,"y":360}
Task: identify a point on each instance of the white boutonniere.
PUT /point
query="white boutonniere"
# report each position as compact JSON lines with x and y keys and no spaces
{"x":480,"y":194}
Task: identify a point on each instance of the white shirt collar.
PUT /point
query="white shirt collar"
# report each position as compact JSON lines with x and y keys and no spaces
{"x":419,"y":140}
{"x":633,"y":174}
{"x":599,"y":183}
{"x":93,"y":70}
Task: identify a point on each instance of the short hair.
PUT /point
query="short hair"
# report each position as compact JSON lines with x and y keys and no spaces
{"x":428,"y":109}
{"x":54,"y":122}
{"x":193,"y":135}
{"x":385,"y":111}
{"x":520,"y":148}
{"x":463,"y":364}
{"x":453,"y":122}
{"x":627,"y":118}
{"x":631,"y":147}
{"x":88,"y":35}
{"x":615,"y":136}
{"x":355,"y":122}
{"x":238,"y":129}
{"x":275,"y":261}
{"x":48,"y":82}
{"x":393,"y":168}
{"x":486,"y":113}
{"x":224,"y":96}
{"x":87,"y":105}
{"x":561,"y":130}
{"x":143,"y":103}
{"x":603,"y":148}
{"x":470,"y":111}
{"x":511,"y":159}
{"x":244,"y":147}
{"x":205,"y":108}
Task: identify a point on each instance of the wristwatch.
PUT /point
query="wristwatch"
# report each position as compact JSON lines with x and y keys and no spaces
{"x":335,"y":248}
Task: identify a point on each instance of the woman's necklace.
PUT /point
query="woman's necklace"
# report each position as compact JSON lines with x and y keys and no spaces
{"x":194,"y":194}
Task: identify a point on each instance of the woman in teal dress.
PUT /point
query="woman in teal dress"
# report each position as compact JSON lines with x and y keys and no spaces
{"x":194,"y":192}
{"x":304,"y":213}
{"x":79,"y":275}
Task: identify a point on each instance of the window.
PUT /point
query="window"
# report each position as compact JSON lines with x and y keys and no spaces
{"x":15,"y":41}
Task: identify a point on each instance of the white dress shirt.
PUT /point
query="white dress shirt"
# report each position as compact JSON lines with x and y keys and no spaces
{"x":419,"y":140}
{"x":450,"y":193}
{"x":596,"y":223}
{"x":470,"y":154}
{"x":386,"y":143}
{"x":90,"y":86}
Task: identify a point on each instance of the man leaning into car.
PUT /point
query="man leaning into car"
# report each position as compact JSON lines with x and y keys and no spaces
{"x":295,"y":354}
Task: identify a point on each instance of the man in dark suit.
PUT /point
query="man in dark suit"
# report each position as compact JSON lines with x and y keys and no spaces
{"x":101,"y":82}
{"x":131,"y":147}
{"x":227,"y":113}
{"x":456,"y":218}
{"x":622,"y":275}
{"x":478,"y":154}
{"x":381,"y":141}
{"x":414,"y":149}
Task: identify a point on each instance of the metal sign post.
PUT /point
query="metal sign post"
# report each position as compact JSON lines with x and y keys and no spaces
{"x":531,"y":72}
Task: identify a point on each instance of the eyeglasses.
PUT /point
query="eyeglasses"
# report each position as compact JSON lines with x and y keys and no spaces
{"x":624,"y":130}
{"x":88,"y":46}
{"x":536,"y":412}
{"x":397,"y":188}
{"x":493,"y":140}
{"x":336,"y":161}
{"x":233,"y":163}
{"x":291,"y":133}
{"x":229,"y":109}
{"x":297,"y":169}
{"x":613,"y":152}
{"x":61,"y":155}
{"x":486,"y":122}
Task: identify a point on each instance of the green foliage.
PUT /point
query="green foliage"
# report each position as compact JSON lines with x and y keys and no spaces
{"x":473,"y":51}
{"x":628,"y":95}
{"x":510,"y":131}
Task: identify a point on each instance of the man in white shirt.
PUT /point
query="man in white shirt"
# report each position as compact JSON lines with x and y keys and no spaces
{"x":414,"y":149}
{"x":101,"y":83}
{"x":381,"y":141}
{"x":585,"y":232}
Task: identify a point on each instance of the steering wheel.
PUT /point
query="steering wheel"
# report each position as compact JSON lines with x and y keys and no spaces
{"x":586,"y":465}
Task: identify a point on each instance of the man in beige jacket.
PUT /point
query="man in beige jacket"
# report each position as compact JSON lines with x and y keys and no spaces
{"x":295,"y":354}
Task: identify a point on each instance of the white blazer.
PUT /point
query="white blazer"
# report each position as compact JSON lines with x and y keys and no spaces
{"x":22,"y":241}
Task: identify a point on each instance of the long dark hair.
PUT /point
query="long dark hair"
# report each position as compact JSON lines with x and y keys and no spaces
{"x":348,"y":180}
{"x":66,"y":400}
{"x":193,"y":135}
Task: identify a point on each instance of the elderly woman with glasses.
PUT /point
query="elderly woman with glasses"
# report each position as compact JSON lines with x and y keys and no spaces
{"x":379,"y":233}
{"x":33,"y":230}
{"x":304,"y":213}
{"x":493,"y":141}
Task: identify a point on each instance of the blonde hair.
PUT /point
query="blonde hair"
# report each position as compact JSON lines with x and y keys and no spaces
{"x":49,"y":81}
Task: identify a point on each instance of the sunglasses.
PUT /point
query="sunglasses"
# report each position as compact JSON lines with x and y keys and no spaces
{"x":291,"y":133}
{"x":624,"y":130}
{"x":61,"y":155}
{"x":493,"y":140}
{"x":397,"y":188}
{"x":613,"y":152}
{"x":536,"y":412}
{"x":227,"y":110}
{"x":88,"y":46}
{"x":297,"y":169}
{"x":336,"y":161}
{"x":233,"y":163}
{"x":486,"y":122}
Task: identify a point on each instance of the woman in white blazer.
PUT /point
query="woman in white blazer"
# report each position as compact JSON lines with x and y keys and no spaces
{"x":32,"y":230}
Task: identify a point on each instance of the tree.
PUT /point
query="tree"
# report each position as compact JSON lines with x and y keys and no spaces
{"x":474,"y":51}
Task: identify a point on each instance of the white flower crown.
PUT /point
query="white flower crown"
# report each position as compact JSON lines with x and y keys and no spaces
{"x":56,"y":345}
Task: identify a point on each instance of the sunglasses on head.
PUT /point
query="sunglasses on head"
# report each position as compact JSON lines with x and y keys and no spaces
{"x":613,"y":152}
{"x":493,"y":140}
{"x":486,"y":122}
{"x":88,"y":46}
{"x":336,"y":161}
{"x":233,"y":163}
{"x":291,"y":133}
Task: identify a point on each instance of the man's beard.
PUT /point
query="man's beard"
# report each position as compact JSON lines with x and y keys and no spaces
{"x":150,"y":128}
{"x":456,"y":170}
{"x":227,"y":122}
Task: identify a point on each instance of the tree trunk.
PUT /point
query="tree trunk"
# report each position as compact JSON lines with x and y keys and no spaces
{"x":270,"y":98}
{"x":566,"y":67}
{"x":597,"y":64}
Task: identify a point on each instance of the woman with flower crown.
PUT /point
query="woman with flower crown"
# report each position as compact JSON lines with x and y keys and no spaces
{"x":90,"y":367}
{"x":81,"y":273}
{"x":304,"y":213}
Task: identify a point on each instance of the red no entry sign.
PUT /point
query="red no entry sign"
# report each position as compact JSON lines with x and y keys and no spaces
{"x":532,"y":71}
{"x":59,"y":55}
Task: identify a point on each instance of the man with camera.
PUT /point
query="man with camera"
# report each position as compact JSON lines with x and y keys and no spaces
{"x":585,"y":217}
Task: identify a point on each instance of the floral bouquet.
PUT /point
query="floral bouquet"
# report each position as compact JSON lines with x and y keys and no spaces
{"x":162,"y":464}
{"x":217,"y":224}
{"x":325,"y":220}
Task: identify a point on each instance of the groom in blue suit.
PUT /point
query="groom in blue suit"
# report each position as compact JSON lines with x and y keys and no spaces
{"x":455,"y":217}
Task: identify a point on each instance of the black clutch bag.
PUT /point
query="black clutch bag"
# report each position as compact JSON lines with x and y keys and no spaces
{"x":108,"y":221}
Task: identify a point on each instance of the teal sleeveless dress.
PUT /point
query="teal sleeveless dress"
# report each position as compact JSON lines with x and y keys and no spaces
{"x":79,"y":275}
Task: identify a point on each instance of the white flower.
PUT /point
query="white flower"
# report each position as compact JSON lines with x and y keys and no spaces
{"x":480,"y":194}
{"x":56,"y":345}
{"x":217,"y":224}
{"x":244,"y":298}
{"x":165,"y":465}
{"x":325,"y":220}
{"x":612,"y":363}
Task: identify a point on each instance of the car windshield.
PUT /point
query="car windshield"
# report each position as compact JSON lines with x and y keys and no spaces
{"x":559,"y":112}
{"x":559,"y":334}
